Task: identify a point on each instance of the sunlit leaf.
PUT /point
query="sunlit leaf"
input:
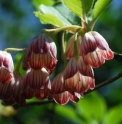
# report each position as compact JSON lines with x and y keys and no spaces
{"x":114,"y":115}
{"x":75,"y":6}
{"x":92,"y":107}
{"x":71,"y":17}
{"x":37,"y":3}
{"x":52,"y":11}
{"x":49,"y":19}
{"x":99,"y":7}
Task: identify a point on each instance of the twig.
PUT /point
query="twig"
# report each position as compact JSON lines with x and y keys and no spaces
{"x":106,"y":82}
{"x":118,"y":57}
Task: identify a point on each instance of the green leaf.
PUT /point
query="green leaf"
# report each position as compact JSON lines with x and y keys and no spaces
{"x":71,"y":17}
{"x":68,"y":112}
{"x":75,"y":6}
{"x":52,"y":11}
{"x":88,"y":4}
{"x":37,"y":3}
{"x":114,"y":115}
{"x":49,"y":19}
{"x":99,"y":7}
{"x":92,"y":106}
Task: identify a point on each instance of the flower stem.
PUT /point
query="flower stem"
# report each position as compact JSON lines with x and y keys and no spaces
{"x":19,"y":63}
{"x":64,"y":48}
{"x":75,"y":46}
{"x":71,"y":28}
{"x":15,"y":49}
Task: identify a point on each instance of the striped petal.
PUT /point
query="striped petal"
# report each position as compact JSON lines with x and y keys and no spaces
{"x":88,"y":44}
{"x":107,"y":54}
{"x":74,"y":65}
{"x":62,"y":98}
{"x":38,"y":61}
{"x":70,"y":46}
{"x":71,"y":68}
{"x":84,"y":69}
{"x":6,"y":67}
{"x":79,"y":83}
{"x":101,"y":42}
{"x":95,"y":59}
{"x":58,"y":84}
{"x":36,"y":79}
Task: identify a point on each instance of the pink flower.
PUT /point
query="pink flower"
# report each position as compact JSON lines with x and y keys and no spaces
{"x":41,"y":53}
{"x":6,"y":89}
{"x":18,"y":88}
{"x":36,"y":84}
{"x":16,"y":91}
{"x":77,"y":65}
{"x":60,"y":94}
{"x":36,"y":79}
{"x":70,"y":46}
{"x":58,"y":84}
{"x":95,"y":49}
{"x":6,"y":67}
{"x":64,"y":97}
{"x":79,"y":83}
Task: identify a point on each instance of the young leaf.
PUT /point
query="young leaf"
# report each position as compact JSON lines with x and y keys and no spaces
{"x":52,"y":11}
{"x":75,"y":6}
{"x":49,"y":19}
{"x":71,"y":17}
{"x":99,"y":7}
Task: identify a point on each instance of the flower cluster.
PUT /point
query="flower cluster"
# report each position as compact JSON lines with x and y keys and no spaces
{"x":40,"y":61}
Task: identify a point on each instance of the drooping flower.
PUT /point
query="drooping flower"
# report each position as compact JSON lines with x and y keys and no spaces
{"x":95,"y":49}
{"x":6,"y":89}
{"x":71,"y":89}
{"x":63,"y":98}
{"x":77,"y":65}
{"x":17,"y":96}
{"x":70,"y":46}
{"x":58,"y":84}
{"x":79,"y":83}
{"x":36,"y":79}
{"x":36,"y":84}
{"x":41,"y":53}
{"x":6,"y":67}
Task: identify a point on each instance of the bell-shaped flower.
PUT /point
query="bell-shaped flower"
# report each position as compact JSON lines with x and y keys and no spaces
{"x":6,"y":89}
{"x":70,"y":46}
{"x":77,"y":65}
{"x":79,"y":83}
{"x":41,"y":53}
{"x":63,"y":98}
{"x":18,"y":88}
{"x":42,"y":93}
{"x":6,"y":67}
{"x":95,"y":49}
{"x":58,"y":84}
{"x":28,"y":93}
{"x":36,"y":79}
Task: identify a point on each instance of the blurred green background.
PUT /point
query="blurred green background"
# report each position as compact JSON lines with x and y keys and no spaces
{"x":18,"y":25}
